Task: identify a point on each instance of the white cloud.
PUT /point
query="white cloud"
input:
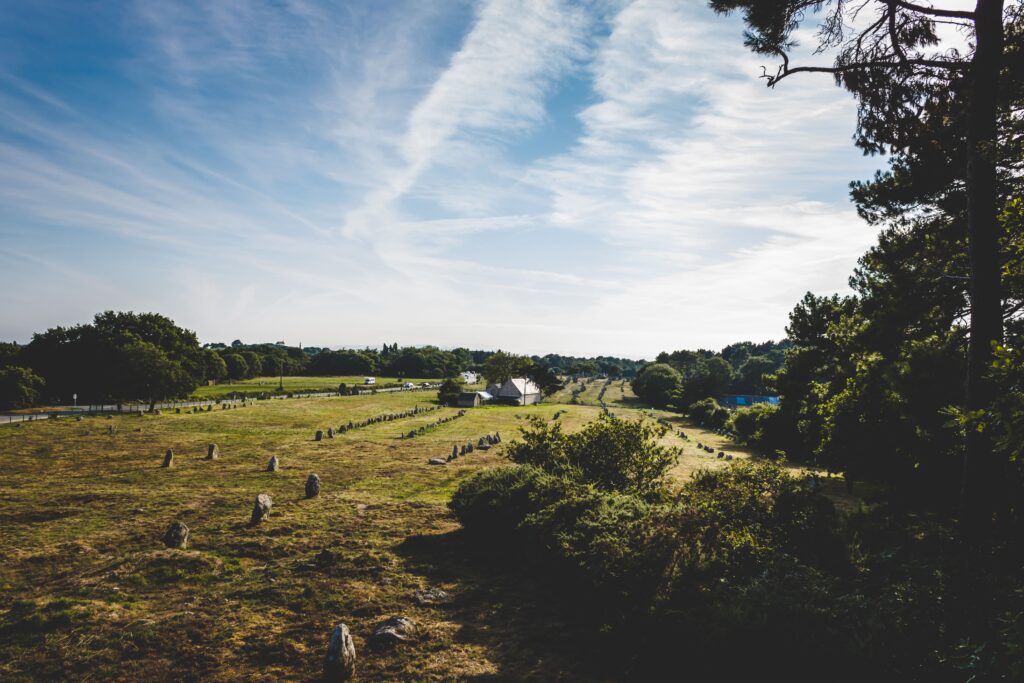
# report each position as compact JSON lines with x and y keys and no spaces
{"x":496,"y":81}
{"x":346,"y":174}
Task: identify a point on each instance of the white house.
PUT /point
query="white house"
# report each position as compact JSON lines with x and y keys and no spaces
{"x":520,"y":391}
{"x":470,"y":377}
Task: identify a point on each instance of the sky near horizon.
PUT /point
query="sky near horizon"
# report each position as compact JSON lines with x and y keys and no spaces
{"x":542,"y":176}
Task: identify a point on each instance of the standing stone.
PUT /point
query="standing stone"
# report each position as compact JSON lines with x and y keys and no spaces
{"x":340,"y":662}
{"x":393,"y":631}
{"x":430,"y":596}
{"x":455,"y":452}
{"x":177,"y":411}
{"x":168,"y":458}
{"x":110,"y":429}
{"x":274,"y":464}
{"x":212,"y":452}
{"x":261,"y":509}
{"x":176,"y":535}
{"x":319,"y":436}
{"x":437,"y":461}
{"x":312,"y":486}
{"x":330,"y":432}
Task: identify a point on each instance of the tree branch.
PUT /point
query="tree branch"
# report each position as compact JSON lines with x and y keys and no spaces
{"x":784,"y":69}
{"x":893,"y":38}
{"x":934,"y":11}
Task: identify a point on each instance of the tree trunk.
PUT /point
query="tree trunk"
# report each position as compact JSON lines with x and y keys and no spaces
{"x":980,"y":495}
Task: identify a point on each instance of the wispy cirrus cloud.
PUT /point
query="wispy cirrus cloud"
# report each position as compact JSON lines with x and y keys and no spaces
{"x":495,"y":87}
{"x":583,"y":177}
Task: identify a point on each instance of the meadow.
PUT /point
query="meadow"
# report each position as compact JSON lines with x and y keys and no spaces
{"x":90,"y":592}
{"x":296,"y":384}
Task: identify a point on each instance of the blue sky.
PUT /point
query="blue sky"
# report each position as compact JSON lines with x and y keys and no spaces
{"x":604,"y":177}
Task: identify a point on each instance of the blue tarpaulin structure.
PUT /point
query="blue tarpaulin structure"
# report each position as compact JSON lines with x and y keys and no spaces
{"x":744,"y":400}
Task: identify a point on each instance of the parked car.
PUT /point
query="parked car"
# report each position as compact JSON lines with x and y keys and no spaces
{"x":408,"y":385}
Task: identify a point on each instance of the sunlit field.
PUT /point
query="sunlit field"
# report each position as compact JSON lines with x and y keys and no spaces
{"x":95,"y":595}
{"x":298,"y":384}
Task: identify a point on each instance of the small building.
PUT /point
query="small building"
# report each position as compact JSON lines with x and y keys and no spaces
{"x":473,"y":399}
{"x":746,"y":400}
{"x":519,"y":391}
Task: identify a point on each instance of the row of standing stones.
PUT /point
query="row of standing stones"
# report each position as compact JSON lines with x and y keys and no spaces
{"x":193,"y":410}
{"x":412,"y":434}
{"x":722,"y":455}
{"x":387,"y":417}
{"x":483,"y":444}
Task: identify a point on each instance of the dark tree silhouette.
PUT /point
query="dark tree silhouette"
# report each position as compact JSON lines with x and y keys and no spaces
{"x":894,"y":63}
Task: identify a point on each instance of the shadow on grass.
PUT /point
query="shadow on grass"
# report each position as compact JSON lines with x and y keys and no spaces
{"x":529,"y":629}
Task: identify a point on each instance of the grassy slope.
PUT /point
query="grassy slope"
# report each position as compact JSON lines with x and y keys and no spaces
{"x":91,"y":593}
{"x":294,"y":384}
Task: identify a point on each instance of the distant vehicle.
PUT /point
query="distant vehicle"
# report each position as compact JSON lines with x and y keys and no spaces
{"x":425,"y":384}
{"x":369,"y":380}
{"x":408,"y":385}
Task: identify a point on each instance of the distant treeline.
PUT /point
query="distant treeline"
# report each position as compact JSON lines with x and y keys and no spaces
{"x":146,"y":356}
{"x":253,"y":360}
{"x":681,"y":378}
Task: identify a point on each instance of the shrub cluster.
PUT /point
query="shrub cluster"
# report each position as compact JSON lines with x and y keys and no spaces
{"x":708,"y":413}
{"x":745,"y":560}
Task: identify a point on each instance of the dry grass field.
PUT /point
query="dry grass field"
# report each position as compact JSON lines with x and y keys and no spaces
{"x":296,"y":384}
{"x":90,"y":593}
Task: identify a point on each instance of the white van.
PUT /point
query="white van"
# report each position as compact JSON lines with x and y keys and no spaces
{"x":369,"y":380}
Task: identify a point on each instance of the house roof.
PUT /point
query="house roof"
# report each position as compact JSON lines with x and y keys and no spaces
{"x":518,"y":386}
{"x":484,"y":396}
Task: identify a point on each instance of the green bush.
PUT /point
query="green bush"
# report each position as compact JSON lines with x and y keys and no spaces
{"x":708,"y":413}
{"x":758,"y":426}
{"x":493,"y":503}
{"x":708,"y":568}
{"x":599,"y":542}
{"x":609,"y":453}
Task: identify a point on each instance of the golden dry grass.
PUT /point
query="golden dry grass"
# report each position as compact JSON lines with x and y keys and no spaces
{"x":89,"y":592}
